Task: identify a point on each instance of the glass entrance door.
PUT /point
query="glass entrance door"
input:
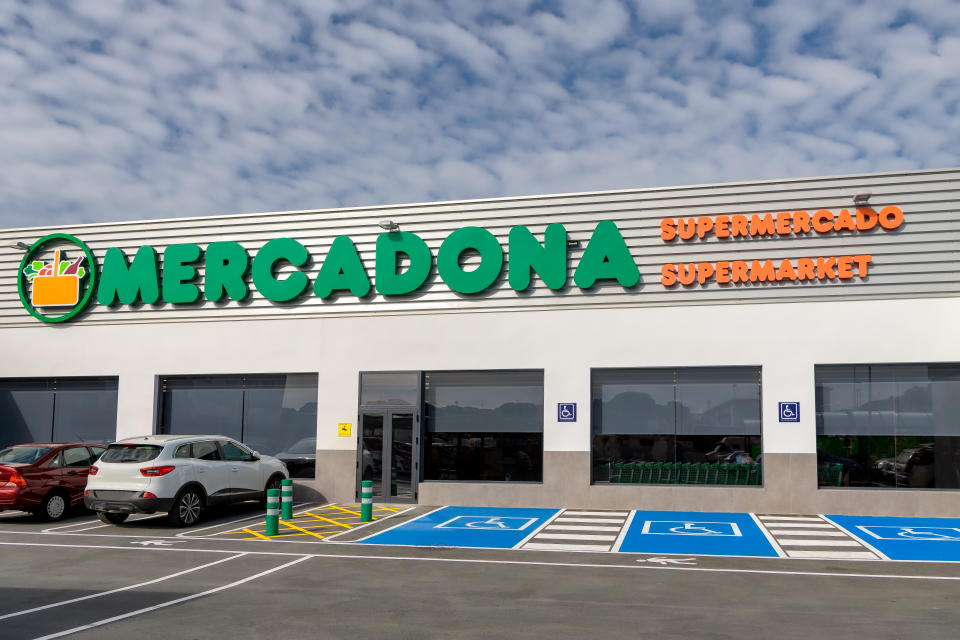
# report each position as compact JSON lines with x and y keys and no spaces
{"x":387,"y":455}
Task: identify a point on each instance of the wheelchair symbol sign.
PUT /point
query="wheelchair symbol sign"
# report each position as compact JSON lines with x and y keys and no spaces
{"x":566,"y":412}
{"x":789,"y":412}
{"x":928,"y":534}
{"x":487,"y":523}
{"x":687,"y":528}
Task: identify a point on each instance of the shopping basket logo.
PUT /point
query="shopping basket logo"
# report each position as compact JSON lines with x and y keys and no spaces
{"x":57,"y":278}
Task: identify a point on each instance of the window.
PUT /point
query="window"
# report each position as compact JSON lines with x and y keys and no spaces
{"x":268,"y":413}
{"x":483,"y":425}
{"x":206,"y":451}
{"x":131,"y":453}
{"x":233,"y":453}
{"x":697,"y":425}
{"x":888,"y":425}
{"x":57,"y":409}
{"x":77,"y":457}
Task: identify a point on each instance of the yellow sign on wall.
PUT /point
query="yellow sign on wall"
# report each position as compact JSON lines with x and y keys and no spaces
{"x":343,"y":429}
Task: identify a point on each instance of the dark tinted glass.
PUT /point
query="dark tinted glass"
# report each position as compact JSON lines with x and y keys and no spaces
{"x":395,"y":389}
{"x":203,"y":404}
{"x":131,"y":453}
{"x":888,"y":425}
{"x":77,"y":457}
{"x":510,"y":457}
{"x":86,"y":410}
{"x":677,"y":426}
{"x":234,"y":453}
{"x":268,"y":413}
{"x":206,"y":451}
{"x":26,"y":411}
{"x":484,"y":401}
{"x":279,"y":411}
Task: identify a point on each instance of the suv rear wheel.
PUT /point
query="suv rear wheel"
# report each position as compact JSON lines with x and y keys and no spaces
{"x":186,"y":508}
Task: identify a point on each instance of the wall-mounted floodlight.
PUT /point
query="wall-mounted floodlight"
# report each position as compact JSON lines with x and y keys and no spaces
{"x":23,"y":246}
{"x":862,"y":198}
{"x":573,"y":244}
{"x":388,"y":225}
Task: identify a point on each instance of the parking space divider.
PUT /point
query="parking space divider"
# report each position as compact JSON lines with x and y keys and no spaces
{"x":273,"y":512}
{"x":286,"y":499}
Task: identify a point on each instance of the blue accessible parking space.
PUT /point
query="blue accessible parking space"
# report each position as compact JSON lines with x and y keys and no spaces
{"x":701,"y":534}
{"x":925,"y":539}
{"x":475,"y":527}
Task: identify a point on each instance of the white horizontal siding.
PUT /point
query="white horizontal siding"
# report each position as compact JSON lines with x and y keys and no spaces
{"x":919,"y":259}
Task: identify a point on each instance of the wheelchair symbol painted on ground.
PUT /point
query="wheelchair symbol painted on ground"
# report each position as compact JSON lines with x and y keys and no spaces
{"x":687,"y":528}
{"x":928,"y":534}
{"x":487,"y":523}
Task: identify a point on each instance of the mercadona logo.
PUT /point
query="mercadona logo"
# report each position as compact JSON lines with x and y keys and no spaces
{"x":57,"y":278}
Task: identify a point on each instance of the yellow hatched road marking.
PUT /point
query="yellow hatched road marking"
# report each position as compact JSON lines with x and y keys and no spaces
{"x":332,"y":521}
{"x":310,"y":533}
{"x":389,"y":509}
{"x":254,"y":533}
{"x":339,"y":508}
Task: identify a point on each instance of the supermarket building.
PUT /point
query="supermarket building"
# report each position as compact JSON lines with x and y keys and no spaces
{"x":786,"y":346}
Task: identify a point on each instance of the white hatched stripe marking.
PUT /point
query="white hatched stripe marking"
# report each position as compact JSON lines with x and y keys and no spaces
{"x":592,"y":520}
{"x":803,"y":525}
{"x":845,"y":555}
{"x":574,"y":536}
{"x":608,"y":514}
{"x":547,"y":546}
{"x":790,"y":518}
{"x":580,"y":527}
{"x":806,"y":532}
{"x":819,"y":543}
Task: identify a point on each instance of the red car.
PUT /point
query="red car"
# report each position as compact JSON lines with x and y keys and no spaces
{"x":46,"y":479}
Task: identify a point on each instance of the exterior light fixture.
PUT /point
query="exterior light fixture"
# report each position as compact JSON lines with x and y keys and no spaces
{"x":22,"y":246}
{"x":388,"y":225}
{"x":862,"y":198}
{"x":573,"y":244}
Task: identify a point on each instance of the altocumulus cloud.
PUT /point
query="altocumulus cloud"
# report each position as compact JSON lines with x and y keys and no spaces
{"x":124,"y":110}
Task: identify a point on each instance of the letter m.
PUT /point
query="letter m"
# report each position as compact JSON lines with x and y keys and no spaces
{"x":128,"y":283}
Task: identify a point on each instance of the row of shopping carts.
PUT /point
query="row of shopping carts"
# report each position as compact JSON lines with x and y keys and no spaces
{"x":712,"y":473}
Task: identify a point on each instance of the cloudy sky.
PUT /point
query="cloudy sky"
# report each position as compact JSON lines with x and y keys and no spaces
{"x":145,"y":109}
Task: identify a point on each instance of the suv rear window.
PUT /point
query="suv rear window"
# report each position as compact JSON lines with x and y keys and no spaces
{"x":131,"y":453}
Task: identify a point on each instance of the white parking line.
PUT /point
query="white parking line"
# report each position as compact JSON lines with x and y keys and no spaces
{"x":162,"y":605}
{"x":537,"y":563}
{"x":146,"y":516}
{"x":127,"y":588}
{"x":72,"y":524}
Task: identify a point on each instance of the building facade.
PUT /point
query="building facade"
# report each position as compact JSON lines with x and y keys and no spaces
{"x":783,"y":347}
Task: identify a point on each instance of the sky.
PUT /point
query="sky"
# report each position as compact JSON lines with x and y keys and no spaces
{"x":113,"y":110}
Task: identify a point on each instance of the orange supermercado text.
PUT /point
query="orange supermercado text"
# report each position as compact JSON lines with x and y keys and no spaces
{"x":784,"y":223}
{"x":742,"y":271}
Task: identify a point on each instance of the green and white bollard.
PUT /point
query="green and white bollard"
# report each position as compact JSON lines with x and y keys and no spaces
{"x":366,"y":500}
{"x":286,"y":499}
{"x":273,"y":512}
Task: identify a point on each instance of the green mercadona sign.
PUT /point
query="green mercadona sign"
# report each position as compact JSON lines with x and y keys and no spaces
{"x":403,"y":264}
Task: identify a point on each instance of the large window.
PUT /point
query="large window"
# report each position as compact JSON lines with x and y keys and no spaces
{"x":58,"y":409}
{"x":483,"y":425}
{"x":888,"y":425}
{"x":275,"y":414}
{"x":676,"y":426}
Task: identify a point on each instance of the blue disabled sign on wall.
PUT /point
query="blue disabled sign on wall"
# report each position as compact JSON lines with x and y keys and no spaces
{"x":703,"y":534}
{"x":476,"y":527}
{"x":930,"y":539}
{"x":566,"y":412}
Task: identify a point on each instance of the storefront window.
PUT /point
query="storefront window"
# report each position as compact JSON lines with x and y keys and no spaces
{"x":677,"y":426}
{"x":888,"y":425}
{"x":483,"y":425}
{"x":272,"y":414}
{"x":58,"y":409}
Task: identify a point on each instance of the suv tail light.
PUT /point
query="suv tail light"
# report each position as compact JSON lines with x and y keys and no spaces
{"x":156,"y":471}
{"x":93,"y":470}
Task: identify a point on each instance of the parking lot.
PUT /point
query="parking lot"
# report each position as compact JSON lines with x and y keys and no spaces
{"x":83,"y":579}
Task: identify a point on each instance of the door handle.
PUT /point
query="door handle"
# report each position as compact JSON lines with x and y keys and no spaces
{"x":72,"y":473}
